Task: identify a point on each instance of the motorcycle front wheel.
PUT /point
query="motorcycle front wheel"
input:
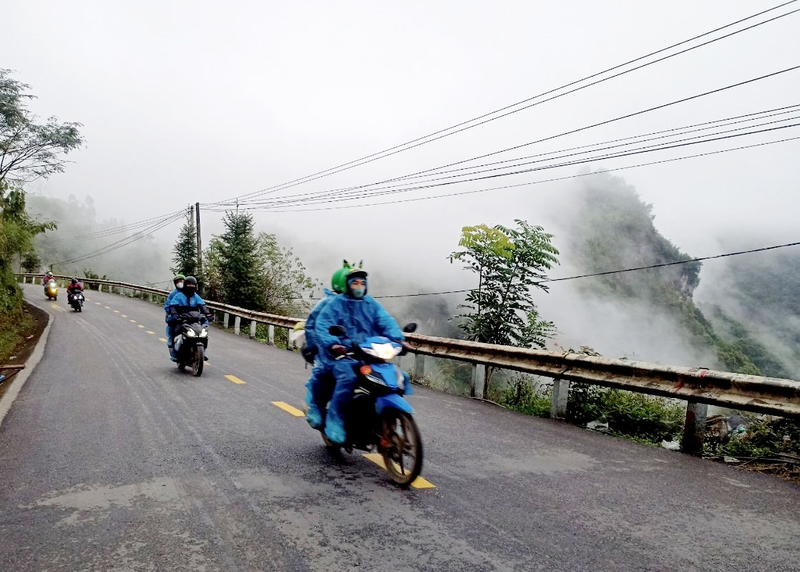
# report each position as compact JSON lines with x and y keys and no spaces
{"x":403,"y":452}
{"x":197,"y":365}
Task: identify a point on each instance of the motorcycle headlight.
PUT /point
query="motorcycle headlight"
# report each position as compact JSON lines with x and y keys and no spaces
{"x":190,"y":333}
{"x":204,"y":334}
{"x":385,"y":352}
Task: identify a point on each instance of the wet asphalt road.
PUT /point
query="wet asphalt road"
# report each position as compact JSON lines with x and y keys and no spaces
{"x":111,"y":459}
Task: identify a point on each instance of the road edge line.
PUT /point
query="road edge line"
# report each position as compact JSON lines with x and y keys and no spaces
{"x":16,"y":385}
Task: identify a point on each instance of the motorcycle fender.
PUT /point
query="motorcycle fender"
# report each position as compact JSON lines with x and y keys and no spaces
{"x":392,"y":401}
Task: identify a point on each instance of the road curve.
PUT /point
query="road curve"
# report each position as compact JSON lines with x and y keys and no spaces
{"x":111,"y":459}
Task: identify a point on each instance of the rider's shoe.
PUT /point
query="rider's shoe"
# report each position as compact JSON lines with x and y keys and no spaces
{"x":314,"y":417}
{"x":335,"y":434}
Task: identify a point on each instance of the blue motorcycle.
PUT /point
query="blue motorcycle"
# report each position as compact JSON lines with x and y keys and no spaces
{"x":378,"y":416}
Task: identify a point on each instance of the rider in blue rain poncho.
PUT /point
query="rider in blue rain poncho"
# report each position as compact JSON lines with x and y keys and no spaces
{"x":361,"y":316}
{"x":178,"y":282}
{"x":181,"y":302}
{"x":319,"y":384}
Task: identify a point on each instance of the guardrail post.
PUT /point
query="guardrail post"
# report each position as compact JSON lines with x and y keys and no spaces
{"x":288,"y":335}
{"x":253,"y":327}
{"x":478,"y":380}
{"x":558,"y":407}
{"x":419,"y":366}
{"x":271,"y":335}
{"x":237,"y":322}
{"x":694,"y":428}
{"x":225,"y":320}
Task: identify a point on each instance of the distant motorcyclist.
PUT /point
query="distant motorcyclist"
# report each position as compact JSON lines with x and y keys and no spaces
{"x":182,"y":302}
{"x":75,"y":287}
{"x":47,"y":278}
{"x":318,"y":390}
{"x":178,"y":281}
{"x":361,"y":316}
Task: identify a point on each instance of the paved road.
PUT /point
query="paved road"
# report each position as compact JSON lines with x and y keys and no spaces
{"x":111,"y":459}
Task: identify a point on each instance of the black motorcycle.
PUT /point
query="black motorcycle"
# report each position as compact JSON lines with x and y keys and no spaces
{"x":76,"y":300}
{"x":191,"y":342}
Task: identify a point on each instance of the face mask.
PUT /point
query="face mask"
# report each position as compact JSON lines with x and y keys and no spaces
{"x":358,"y":292}
{"x":179,"y":285}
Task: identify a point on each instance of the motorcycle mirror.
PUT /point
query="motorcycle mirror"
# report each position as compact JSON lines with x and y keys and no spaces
{"x":412,"y":327}
{"x":337,"y":331}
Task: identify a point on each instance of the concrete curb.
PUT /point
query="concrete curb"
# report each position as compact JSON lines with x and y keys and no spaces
{"x":19,"y":380}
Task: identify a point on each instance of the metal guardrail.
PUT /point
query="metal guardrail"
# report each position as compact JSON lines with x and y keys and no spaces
{"x":700,"y":387}
{"x":747,"y":392}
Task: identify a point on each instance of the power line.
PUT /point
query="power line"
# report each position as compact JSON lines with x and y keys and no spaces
{"x":393,"y":189}
{"x":601,"y":123}
{"x":482,"y":119}
{"x":119,"y":229}
{"x":704,"y":126}
{"x":550,"y":180}
{"x":610,"y":272}
{"x":123,"y":242}
{"x":675,"y":263}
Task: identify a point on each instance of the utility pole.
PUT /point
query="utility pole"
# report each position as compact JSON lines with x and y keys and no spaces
{"x":199,"y":241}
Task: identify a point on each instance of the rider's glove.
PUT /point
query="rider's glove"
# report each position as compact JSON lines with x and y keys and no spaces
{"x":338,"y":349}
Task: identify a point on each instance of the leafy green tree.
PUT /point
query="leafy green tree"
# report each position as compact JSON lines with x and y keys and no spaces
{"x":17,"y":230}
{"x":285,"y":282}
{"x":30,"y":150}
{"x":184,"y":254}
{"x":510,"y":264}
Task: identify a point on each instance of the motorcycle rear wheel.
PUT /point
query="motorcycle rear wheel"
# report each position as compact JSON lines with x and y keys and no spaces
{"x":197,"y":365}
{"x":403,"y":453}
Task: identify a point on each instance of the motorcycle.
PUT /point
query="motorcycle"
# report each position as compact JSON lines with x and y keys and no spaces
{"x":51,"y":290}
{"x":76,"y":300}
{"x":191,"y":343}
{"x":378,"y":416}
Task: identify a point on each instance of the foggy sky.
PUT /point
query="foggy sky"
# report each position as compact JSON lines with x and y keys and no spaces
{"x":187,"y":101}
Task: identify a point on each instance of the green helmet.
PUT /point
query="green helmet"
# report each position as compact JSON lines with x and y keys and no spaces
{"x":178,"y":277}
{"x":339,"y":279}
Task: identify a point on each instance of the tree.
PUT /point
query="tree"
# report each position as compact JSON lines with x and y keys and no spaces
{"x":238,"y":273}
{"x":251,"y":270}
{"x":184,"y":254}
{"x":510,"y":264}
{"x":30,"y":150}
{"x":17,"y":230}
{"x":285,"y":282}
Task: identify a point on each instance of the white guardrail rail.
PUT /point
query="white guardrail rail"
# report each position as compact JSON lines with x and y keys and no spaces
{"x":700,"y":387}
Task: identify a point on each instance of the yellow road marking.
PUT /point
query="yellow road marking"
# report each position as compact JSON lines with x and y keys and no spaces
{"x":116,"y":311}
{"x":108,"y":307}
{"x":151,"y":333}
{"x":419,"y":482}
{"x":124,"y":316}
{"x":162,"y":340}
{"x":97,"y":303}
{"x":141,"y":326}
{"x":235,"y":380}
{"x":132,"y":321}
{"x":288,"y":408}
